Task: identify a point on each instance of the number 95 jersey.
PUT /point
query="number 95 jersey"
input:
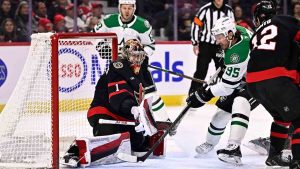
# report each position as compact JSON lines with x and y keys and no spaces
{"x":274,"y":52}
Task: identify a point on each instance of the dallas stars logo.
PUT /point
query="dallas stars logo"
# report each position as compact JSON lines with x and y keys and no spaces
{"x":234,"y":58}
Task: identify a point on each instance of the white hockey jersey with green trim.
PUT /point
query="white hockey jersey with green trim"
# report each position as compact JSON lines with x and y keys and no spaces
{"x":235,"y":60}
{"x":138,"y":28}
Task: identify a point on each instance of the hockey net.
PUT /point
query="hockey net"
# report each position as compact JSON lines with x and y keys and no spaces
{"x":48,"y":106}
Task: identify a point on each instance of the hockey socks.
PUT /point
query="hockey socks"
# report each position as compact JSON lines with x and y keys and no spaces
{"x":217,"y":126}
{"x":296,"y":140}
{"x":279,"y":136}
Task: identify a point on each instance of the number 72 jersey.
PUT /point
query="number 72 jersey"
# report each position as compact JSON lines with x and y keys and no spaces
{"x":274,"y":52}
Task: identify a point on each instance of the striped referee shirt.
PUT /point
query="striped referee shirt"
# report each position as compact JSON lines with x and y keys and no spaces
{"x":204,"y":21}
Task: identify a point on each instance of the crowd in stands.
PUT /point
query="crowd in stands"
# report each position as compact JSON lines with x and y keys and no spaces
{"x":58,"y":16}
{"x":47,"y":16}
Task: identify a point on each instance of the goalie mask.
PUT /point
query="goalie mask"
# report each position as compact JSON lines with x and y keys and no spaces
{"x":224,"y":31}
{"x":134,"y":52}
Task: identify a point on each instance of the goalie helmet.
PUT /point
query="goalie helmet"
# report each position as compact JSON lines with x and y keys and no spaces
{"x":263,"y":11}
{"x":223,"y":26}
{"x":127,"y":2}
{"x":134,"y":52}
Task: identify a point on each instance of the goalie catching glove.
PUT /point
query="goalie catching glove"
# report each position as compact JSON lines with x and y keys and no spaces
{"x":146,"y":122}
{"x":200,"y":97}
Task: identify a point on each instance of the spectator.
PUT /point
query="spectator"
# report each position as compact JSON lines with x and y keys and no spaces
{"x":185,"y":19}
{"x":165,"y":21}
{"x":296,"y":10}
{"x":60,"y":24}
{"x":21,"y":19}
{"x":8,"y":33}
{"x":97,"y":11}
{"x":44,"y":26}
{"x":85,"y":10}
{"x":40,"y":12}
{"x":239,"y":18}
{"x":14,"y":5}
{"x":91,"y":23}
{"x":57,"y":7}
{"x":5,"y":10}
{"x":204,"y":45}
{"x":70,"y":21}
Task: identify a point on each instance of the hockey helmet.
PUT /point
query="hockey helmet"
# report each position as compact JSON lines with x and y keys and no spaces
{"x":127,"y":2}
{"x":223,"y":26}
{"x":134,"y":52}
{"x":263,"y":11}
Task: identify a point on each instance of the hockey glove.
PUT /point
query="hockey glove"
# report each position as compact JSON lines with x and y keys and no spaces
{"x":145,"y":123}
{"x":199,"y":98}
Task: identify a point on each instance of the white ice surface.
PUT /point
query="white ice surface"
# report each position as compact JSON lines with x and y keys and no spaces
{"x":192,"y":132}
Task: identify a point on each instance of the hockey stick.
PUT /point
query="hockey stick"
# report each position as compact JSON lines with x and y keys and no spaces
{"x":178,"y":74}
{"x":126,"y":123}
{"x":211,"y":79}
{"x":134,"y":159}
{"x":209,"y":82}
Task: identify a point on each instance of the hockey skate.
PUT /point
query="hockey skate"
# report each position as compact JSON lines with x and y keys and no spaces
{"x":295,"y":164}
{"x":278,"y":160}
{"x":71,"y":157}
{"x":231,"y":154}
{"x":259,"y":145}
{"x":204,"y":148}
{"x":70,"y":160}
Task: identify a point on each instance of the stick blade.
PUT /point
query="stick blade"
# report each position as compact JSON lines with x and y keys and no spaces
{"x":127,"y":157}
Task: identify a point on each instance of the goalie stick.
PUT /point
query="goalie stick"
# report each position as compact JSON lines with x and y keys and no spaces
{"x":209,"y":82}
{"x":126,"y":123}
{"x":134,"y":159}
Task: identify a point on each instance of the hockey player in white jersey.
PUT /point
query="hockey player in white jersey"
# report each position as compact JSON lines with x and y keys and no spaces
{"x":127,"y":25}
{"x":234,"y":103}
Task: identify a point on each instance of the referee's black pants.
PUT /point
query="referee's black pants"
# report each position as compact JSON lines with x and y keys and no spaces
{"x":207,"y":52}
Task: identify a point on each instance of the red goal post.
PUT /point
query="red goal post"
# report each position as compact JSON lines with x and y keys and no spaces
{"x":55,"y":83}
{"x":48,"y":106}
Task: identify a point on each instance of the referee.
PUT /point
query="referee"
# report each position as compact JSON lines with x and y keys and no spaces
{"x":204,"y":44}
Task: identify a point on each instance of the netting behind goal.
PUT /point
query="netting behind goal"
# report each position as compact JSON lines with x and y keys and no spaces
{"x":47,"y":109}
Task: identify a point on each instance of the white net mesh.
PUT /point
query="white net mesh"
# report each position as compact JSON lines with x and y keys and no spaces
{"x":26,"y":119}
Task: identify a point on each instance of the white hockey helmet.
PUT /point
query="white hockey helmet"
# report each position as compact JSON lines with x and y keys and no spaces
{"x":127,"y":2}
{"x":223,"y":26}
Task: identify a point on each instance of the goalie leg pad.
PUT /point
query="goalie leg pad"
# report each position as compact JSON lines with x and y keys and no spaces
{"x":84,"y":152}
{"x":161,"y":149}
{"x":102,"y":149}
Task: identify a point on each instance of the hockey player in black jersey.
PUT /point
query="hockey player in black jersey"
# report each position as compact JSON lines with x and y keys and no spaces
{"x":118,"y":98}
{"x":273,"y":78}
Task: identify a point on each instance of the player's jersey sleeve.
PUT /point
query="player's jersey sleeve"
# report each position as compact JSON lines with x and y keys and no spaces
{"x":149,"y":86}
{"x":231,"y":79}
{"x":144,"y":30}
{"x":235,"y":60}
{"x":100,"y":27}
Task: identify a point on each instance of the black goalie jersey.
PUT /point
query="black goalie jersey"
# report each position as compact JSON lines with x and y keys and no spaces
{"x":116,"y":86}
{"x":274,"y":50}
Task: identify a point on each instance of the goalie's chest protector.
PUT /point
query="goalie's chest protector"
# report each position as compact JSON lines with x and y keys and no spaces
{"x":121,"y":71}
{"x":125,"y":31}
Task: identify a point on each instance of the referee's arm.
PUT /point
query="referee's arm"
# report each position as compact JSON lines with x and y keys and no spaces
{"x":197,"y":26}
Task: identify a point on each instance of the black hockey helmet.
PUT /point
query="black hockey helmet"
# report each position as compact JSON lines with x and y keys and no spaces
{"x":264,"y":10}
{"x":273,"y":1}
